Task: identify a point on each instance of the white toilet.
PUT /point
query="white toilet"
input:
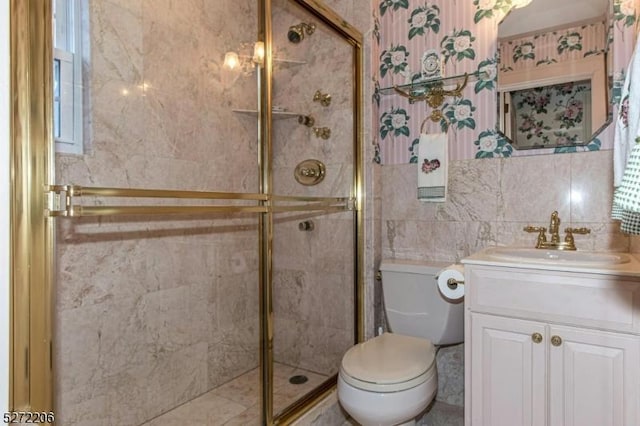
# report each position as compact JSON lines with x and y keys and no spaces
{"x":392,"y":378}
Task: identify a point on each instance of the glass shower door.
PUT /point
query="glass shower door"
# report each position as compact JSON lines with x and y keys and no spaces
{"x":314,"y":250}
{"x":202,"y":241}
{"x":157,"y":304}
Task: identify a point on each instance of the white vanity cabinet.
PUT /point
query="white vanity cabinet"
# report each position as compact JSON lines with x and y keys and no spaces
{"x":551,"y":348}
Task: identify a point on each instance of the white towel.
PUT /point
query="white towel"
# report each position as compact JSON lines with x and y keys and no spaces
{"x":432,"y":167}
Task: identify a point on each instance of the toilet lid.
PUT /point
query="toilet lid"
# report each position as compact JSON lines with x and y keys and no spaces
{"x":389,"y":358}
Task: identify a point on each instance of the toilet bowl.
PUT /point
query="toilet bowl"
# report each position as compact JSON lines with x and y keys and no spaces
{"x":390,"y":379}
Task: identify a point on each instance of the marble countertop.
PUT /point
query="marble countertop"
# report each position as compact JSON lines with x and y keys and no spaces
{"x":487,"y":257}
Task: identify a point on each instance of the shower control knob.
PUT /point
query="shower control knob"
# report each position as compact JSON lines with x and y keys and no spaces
{"x":323,"y":98}
{"x":307,"y":225}
{"x":307,"y":120}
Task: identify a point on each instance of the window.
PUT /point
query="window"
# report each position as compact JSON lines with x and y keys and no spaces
{"x":67,"y":76}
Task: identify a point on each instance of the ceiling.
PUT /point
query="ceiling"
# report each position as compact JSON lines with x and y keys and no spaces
{"x":546,"y":14}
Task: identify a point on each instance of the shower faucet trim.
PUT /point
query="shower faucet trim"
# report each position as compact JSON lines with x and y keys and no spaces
{"x":296,"y":32}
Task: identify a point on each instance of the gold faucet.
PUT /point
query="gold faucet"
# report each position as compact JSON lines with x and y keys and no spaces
{"x":554,"y":231}
{"x":554,"y":228}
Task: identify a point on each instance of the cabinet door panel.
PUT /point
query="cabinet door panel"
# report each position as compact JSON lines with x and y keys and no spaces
{"x":507,"y":372}
{"x":594,"y":378}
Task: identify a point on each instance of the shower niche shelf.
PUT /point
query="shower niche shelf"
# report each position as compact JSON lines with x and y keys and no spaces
{"x":276,"y":114}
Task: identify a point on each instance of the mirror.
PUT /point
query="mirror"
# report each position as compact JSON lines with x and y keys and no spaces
{"x":553,"y":80}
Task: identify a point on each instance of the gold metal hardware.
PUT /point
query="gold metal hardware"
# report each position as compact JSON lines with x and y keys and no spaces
{"x":536,"y":337}
{"x":378,"y":275}
{"x":296,"y":32}
{"x":30,"y":377}
{"x":309,"y":172}
{"x":96,"y":191}
{"x":434,"y":96}
{"x":323,"y":98}
{"x":542,"y":238}
{"x":452,"y":283}
{"x":64,"y":201}
{"x":554,"y":227}
{"x":554,"y":233}
{"x":306,"y":120}
{"x":322,"y":132}
{"x":556,"y":340}
{"x":569,"y":240}
{"x":306,"y":225}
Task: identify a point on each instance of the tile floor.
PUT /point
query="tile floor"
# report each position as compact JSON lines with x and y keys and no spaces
{"x":236,"y":403}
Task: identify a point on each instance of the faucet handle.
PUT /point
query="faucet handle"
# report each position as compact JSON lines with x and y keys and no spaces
{"x":542,"y":237}
{"x":568,"y":239}
{"x":578,"y":231}
{"x":530,"y":228}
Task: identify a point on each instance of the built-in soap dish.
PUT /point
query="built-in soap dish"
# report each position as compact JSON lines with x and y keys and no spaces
{"x":309,"y":172}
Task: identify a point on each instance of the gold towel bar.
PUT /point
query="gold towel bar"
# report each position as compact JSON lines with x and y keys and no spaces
{"x":76,"y":190}
{"x":62,"y":202}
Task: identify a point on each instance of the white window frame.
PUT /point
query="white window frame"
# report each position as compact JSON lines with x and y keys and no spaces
{"x":68,"y":54}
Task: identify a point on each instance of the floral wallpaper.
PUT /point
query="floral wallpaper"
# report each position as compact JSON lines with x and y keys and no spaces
{"x":464,"y":33}
{"x":552,"y":115}
{"x":553,"y":47}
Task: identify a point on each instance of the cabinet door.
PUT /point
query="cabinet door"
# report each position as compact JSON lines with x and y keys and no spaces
{"x":507,"y":372}
{"x":594,"y":378}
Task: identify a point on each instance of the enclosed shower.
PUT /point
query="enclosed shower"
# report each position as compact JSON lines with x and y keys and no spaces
{"x":202,"y":237}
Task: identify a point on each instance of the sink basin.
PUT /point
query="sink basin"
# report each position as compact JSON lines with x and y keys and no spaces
{"x":581,"y":258}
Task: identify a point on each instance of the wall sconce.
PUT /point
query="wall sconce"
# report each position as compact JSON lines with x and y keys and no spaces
{"x":236,"y":64}
{"x":231,"y":61}
{"x":258,"y":53}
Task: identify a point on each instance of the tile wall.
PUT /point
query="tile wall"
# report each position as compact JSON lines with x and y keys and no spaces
{"x":313,"y":270}
{"x":151,"y":312}
{"x":489,"y":203}
{"x":491,"y":200}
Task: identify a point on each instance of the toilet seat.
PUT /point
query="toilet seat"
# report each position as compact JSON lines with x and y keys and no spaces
{"x":389,"y":363}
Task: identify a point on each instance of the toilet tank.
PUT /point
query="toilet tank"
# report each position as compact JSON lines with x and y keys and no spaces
{"x":414,"y":305}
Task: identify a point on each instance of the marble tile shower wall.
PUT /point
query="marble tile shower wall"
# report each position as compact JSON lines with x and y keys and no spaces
{"x":491,"y":200}
{"x":313,"y":271}
{"x":151,"y":312}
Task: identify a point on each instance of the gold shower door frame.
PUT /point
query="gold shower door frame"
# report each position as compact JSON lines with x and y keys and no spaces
{"x":35,"y":204}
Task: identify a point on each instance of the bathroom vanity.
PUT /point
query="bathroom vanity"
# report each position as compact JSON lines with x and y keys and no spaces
{"x":552,"y":338}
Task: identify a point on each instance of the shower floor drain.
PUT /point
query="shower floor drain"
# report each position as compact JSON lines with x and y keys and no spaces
{"x":298,"y":380}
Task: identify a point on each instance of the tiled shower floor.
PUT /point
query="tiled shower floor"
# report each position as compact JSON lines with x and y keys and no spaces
{"x":236,"y":403}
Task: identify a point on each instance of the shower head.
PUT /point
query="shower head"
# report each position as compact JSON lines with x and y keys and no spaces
{"x":296,"y":32}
